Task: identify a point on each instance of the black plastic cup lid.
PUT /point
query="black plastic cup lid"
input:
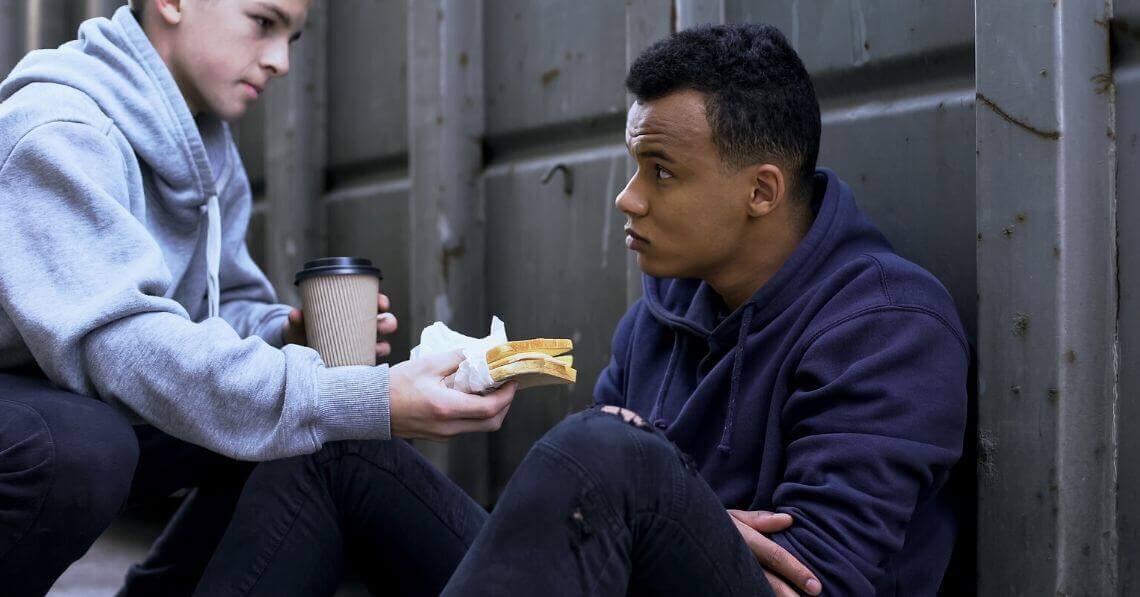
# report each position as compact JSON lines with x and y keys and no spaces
{"x":337,"y":266}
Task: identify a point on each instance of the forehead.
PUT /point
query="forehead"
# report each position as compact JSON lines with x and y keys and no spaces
{"x":677,"y":117}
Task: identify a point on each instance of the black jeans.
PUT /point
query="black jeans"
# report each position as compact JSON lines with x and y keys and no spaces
{"x":69,"y":464}
{"x":598,"y":507}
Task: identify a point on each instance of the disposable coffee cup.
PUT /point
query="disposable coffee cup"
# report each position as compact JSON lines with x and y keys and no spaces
{"x":338,"y":297}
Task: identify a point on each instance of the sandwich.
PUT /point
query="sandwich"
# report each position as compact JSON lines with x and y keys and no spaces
{"x":532,"y":363}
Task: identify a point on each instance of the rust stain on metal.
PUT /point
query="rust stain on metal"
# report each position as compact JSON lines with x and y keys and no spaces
{"x":1104,"y":82}
{"x":1020,"y":324}
{"x":1050,"y":135}
{"x":549,"y":76}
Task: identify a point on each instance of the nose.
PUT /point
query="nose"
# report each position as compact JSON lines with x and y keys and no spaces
{"x":630,"y":202}
{"x":276,"y":58}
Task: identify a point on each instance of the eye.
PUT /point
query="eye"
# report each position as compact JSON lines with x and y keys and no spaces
{"x":663,"y":174}
{"x":264,"y":23}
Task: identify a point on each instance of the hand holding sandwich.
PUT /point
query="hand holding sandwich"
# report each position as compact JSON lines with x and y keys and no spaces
{"x":422,"y":407}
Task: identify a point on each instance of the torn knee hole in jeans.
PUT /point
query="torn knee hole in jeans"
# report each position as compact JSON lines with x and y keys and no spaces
{"x":626,"y":415}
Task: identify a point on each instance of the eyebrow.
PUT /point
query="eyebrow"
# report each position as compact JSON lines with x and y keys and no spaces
{"x":281,"y":15}
{"x":654,"y":152}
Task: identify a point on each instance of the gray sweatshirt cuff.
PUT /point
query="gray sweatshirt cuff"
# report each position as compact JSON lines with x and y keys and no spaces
{"x":353,"y":403}
{"x":273,"y":330}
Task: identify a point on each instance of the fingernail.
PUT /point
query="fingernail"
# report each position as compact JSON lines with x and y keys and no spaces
{"x":813,"y":586}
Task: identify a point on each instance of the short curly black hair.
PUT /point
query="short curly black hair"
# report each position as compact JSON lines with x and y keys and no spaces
{"x":761,"y":103}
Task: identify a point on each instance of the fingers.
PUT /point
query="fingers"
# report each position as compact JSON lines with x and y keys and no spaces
{"x":296,"y":317}
{"x":383,"y":349}
{"x":451,"y":404}
{"x":382,"y":302}
{"x":779,"y":587}
{"x":501,"y":398}
{"x":442,"y":364}
{"x":776,"y":559}
{"x":386,"y":324}
{"x":762,"y":520}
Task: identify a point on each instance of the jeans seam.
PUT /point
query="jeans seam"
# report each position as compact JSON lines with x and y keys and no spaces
{"x":51,"y":476}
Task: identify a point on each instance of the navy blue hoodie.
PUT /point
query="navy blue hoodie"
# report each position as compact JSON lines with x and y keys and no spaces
{"x":836,"y":394}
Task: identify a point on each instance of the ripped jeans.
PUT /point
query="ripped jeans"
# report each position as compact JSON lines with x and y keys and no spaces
{"x":600,"y":506}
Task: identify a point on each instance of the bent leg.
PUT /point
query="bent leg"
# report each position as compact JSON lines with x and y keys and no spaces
{"x":605,"y":506}
{"x":66,"y":463}
{"x":380,"y":502}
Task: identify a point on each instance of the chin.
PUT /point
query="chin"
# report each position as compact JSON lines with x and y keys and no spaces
{"x":230,"y":113}
{"x":658,"y":269}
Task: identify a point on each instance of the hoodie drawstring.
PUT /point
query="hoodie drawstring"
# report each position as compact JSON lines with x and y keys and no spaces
{"x":213,"y":253}
{"x":659,"y":405}
{"x":737,"y":364}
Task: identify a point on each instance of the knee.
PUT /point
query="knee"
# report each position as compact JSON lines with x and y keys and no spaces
{"x":607,"y":437}
{"x":73,"y":472}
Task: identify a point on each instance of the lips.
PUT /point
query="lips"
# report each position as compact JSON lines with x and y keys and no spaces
{"x":635,"y":241}
{"x":254,"y":88}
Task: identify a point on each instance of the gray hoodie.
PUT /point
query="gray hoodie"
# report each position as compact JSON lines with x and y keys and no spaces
{"x":124,"y":272}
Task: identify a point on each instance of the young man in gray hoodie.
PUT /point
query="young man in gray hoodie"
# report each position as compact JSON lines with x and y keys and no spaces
{"x":125,"y":277}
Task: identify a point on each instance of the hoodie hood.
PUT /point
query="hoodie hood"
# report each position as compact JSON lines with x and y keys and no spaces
{"x":693,"y":309}
{"x":151,"y":113}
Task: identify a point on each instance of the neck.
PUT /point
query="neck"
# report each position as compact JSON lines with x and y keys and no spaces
{"x":164,"y":46}
{"x":767,"y":246}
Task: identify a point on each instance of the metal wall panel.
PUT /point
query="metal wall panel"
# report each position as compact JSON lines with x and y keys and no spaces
{"x":1126,"y":59}
{"x":836,"y":35}
{"x":1047,"y":306}
{"x":550,"y":63}
{"x":368,"y":81}
{"x":555,"y":269}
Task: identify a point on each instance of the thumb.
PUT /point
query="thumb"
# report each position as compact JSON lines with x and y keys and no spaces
{"x":296,"y":317}
{"x":442,"y":364}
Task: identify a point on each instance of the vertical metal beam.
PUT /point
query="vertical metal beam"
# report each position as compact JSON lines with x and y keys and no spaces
{"x":1047,"y":299}
{"x":101,"y":8}
{"x":295,"y":139}
{"x":48,"y":23}
{"x":445,"y":132}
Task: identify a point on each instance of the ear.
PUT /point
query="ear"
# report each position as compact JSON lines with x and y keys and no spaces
{"x":168,"y":11}
{"x":769,"y":189}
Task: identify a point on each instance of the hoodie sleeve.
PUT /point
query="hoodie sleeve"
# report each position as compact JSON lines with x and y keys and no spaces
{"x":83,"y":282}
{"x":876,"y":421}
{"x":248,"y":302}
{"x":610,"y":388}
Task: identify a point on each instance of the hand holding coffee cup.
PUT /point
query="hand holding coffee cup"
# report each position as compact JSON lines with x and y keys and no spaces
{"x":342,"y":312}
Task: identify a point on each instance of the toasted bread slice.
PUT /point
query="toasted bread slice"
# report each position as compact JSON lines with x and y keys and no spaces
{"x":522,"y":356}
{"x":530,"y":373}
{"x":547,"y":346}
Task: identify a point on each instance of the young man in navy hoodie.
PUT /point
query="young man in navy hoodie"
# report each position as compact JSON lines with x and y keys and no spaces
{"x":784,"y":364}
